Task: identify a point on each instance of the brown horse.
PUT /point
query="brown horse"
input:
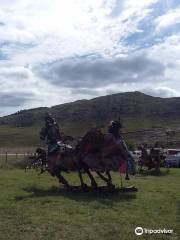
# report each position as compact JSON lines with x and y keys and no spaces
{"x":103,"y":153}
{"x":150,"y":160}
{"x":66,"y":159}
{"x":96,"y":151}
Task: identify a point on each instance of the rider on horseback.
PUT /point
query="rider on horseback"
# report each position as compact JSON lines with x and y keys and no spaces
{"x":114,"y":128}
{"x":51,"y":133}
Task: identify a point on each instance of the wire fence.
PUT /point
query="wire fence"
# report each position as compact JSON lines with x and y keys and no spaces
{"x":14,"y":159}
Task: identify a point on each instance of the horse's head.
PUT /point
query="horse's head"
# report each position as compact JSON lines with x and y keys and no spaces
{"x":40,"y":151}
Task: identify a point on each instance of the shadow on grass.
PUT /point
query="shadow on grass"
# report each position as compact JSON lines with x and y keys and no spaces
{"x":79,"y":195}
{"x":153,"y":172}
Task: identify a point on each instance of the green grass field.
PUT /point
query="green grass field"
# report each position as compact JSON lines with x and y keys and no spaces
{"x":36,"y":207}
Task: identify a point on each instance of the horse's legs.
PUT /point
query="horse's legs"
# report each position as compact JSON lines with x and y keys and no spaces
{"x":109,"y":177}
{"x":86,"y":169}
{"x":80,"y":177}
{"x":102,"y":177}
{"x":62,"y":179}
{"x":107,"y":180}
{"x":83,"y":185}
{"x":93,"y":182}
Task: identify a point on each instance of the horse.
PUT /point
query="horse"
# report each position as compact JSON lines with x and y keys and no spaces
{"x":95,"y":152}
{"x":150,"y":160}
{"x":104,"y":153}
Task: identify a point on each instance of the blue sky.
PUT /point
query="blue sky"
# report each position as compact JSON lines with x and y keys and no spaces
{"x":56,"y":51}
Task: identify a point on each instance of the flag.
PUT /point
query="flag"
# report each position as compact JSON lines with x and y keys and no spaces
{"x":123,"y":167}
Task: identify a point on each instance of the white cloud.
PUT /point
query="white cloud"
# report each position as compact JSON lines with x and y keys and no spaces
{"x":160,"y":91}
{"x":39,"y":33}
{"x":172,"y":17}
{"x":60,"y":29}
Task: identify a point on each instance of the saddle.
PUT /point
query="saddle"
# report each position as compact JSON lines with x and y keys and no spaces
{"x":59,"y":146}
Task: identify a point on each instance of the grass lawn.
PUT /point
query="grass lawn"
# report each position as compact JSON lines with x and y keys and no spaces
{"x":35,"y":207}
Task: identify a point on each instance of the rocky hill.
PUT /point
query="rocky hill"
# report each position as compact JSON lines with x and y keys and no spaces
{"x":137,"y":111}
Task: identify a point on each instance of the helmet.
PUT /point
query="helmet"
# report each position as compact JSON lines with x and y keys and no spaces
{"x":114,"y":127}
{"x":48,"y":118}
{"x":115,"y":124}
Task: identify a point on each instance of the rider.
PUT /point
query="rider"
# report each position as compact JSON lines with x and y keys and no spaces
{"x":51,"y":133}
{"x":114,"y":128}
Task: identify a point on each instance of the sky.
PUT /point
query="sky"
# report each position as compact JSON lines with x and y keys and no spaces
{"x":56,"y":51}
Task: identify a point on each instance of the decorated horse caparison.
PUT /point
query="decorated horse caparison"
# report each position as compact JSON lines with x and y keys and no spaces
{"x":96,"y":151}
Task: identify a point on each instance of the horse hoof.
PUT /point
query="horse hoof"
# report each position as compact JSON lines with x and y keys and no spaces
{"x":95,"y":186}
{"x":111,"y":186}
{"x":68,"y":187}
{"x":84,"y":186}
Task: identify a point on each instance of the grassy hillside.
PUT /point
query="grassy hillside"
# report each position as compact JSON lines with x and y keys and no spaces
{"x":35,"y":207}
{"x":136,"y":110}
{"x":13,"y":136}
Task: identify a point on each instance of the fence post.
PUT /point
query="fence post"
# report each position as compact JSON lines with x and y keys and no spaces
{"x":6,"y":157}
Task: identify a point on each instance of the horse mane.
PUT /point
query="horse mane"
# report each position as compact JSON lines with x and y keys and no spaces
{"x":92,"y":141}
